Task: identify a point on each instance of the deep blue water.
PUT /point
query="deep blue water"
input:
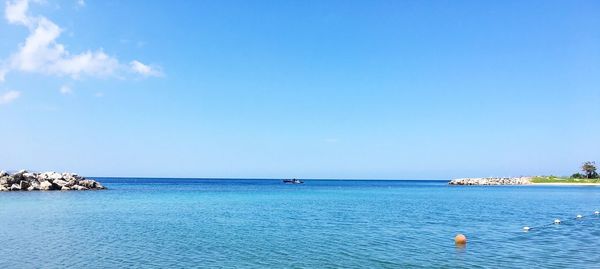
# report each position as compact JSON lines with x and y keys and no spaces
{"x":183,"y":223}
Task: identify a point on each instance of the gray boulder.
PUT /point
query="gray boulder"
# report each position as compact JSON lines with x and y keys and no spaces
{"x":79,"y":188}
{"x":15,"y":187}
{"x":26,"y":181}
{"x":23,"y":185}
{"x":19,"y":175}
{"x":90,"y":184}
{"x":9,"y":180}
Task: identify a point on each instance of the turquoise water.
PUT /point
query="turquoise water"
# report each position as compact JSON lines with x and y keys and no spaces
{"x":182,"y":223}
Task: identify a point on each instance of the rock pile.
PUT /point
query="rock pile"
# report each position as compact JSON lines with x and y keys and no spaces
{"x":47,"y":181}
{"x":492,"y":181}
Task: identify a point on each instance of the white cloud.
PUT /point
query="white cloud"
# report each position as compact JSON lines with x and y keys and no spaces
{"x":16,"y":12}
{"x":81,"y":3}
{"x":144,"y":70}
{"x":66,"y":89}
{"x":9,"y":96}
{"x":42,"y":53}
{"x":99,"y":94}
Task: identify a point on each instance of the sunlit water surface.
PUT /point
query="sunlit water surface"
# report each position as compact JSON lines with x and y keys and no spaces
{"x":183,"y":223}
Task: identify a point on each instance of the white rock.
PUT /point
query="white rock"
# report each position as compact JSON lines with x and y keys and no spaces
{"x":45,"y":186}
{"x":491,"y":181}
{"x":54,"y":176}
{"x":60,"y":182}
{"x":26,"y":181}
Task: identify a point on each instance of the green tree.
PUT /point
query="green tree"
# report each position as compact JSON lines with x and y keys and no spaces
{"x":589,"y":168}
{"x":577,"y":175}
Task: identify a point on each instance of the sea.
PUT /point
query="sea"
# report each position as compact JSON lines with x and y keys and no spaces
{"x":252,"y":223}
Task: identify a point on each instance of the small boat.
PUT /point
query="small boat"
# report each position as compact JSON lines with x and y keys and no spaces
{"x":292,"y":181}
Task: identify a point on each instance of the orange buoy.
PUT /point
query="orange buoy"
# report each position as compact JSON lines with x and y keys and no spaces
{"x":460,"y":239}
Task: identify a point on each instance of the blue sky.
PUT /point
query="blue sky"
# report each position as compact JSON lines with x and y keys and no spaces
{"x":310,"y":89}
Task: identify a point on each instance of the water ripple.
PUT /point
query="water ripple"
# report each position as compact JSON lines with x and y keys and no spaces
{"x":196,"y":224}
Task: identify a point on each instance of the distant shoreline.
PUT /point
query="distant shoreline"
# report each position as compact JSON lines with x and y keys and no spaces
{"x":525,"y":181}
{"x":555,"y":180}
{"x":565,"y":184}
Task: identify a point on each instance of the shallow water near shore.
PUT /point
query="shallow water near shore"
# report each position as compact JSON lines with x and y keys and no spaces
{"x":181,"y":223}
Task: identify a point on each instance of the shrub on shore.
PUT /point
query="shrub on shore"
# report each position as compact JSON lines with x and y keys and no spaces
{"x":577,"y":175}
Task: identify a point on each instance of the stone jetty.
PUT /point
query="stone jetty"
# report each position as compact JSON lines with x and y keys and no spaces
{"x":492,"y":181}
{"x":47,"y":181}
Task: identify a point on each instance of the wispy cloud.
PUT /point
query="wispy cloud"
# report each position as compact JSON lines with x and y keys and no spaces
{"x":65,"y":89}
{"x":81,"y":3}
{"x":42,"y":53}
{"x":145,"y":70}
{"x":9,"y":96}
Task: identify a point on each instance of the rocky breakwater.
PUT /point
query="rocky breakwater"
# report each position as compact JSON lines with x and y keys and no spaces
{"x":492,"y":181}
{"x":48,"y":181}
